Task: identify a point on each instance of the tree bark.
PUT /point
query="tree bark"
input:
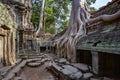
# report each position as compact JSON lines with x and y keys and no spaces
{"x":76,"y":30}
{"x":40,"y":29}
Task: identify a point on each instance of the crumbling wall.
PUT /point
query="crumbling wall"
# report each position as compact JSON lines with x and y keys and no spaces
{"x":8,"y":34}
{"x":103,"y":36}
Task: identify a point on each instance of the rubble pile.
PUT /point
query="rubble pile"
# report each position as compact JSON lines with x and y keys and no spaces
{"x":70,"y":71}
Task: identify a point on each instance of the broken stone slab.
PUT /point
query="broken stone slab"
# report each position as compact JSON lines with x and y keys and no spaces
{"x":33,"y":60}
{"x":82,"y":67}
{"x":5,"y":70}
{"x":57,"y":67}
{"x":32,"y":57}
{"x":18,"y":61}
{"x":62,"y":61}
{"x":16,"y":70}
{"x":76,"y":76}
{"x":70,"y":68}
{"x":9,"y":77}
{"x":33,"y":64}
{"x":45,"y":59}
{"x":66,"y":72}
{"x":22,"y":64}
{"x":18,"y":78}
{"x":87,"y":75}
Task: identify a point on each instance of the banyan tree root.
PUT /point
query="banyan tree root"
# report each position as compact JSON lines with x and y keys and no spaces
{"x":105,"y":18}
{"x":76,"y":30}
{"x":79,"y":17}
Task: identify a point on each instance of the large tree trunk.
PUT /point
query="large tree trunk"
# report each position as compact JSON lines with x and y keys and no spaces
{"x":76,"y":30}
{"x":40,"y":29}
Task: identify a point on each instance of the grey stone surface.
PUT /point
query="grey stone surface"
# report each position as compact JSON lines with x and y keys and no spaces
{"x":76,"y":75}
{"x":33,"y":64}
{"x":57,"y":67}
{"x":82,"y":67}
{"x":62,"y":61}
{"x":87,"y":75}
{"x":70,"y":68}
{"x":18,"y":78}
{"x":66,"y":72}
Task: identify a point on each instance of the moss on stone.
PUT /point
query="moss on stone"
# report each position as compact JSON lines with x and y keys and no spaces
{"x":5,"y":17}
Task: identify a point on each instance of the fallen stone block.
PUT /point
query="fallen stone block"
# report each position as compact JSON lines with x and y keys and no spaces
{"x":23,"y":63}
{"x":66,"y":72}
{"x":56,"y":67}
{"x":18,"y":78}
{"x":82,"y":67}
{"x":62,"y":61}
{"x":9,"y":77}
{"x":70,"y":68}
{"x":5,"y":70}
{"x":87,"y":75}
{"x":76,"y":76}
{"x":33,"y":64}
{"x":16,"y":71}
{"x":18,"y":61}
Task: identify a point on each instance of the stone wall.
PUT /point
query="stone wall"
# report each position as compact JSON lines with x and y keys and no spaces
{"x":110,"y":8}
{"x":16,"y":30}
{"x":7,"y":35}
{"x":103,"y":36}
{"x":22,"y":11}
{"x":103,"y":43}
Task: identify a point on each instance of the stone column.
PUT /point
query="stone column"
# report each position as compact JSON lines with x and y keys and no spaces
{"x":95,"y":62}
{"x":17,"y":43}
{"x":5,"y":47}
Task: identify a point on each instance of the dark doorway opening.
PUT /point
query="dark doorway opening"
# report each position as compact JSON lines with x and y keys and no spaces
{"x":109,"y":65}
{"x":84,"y":56}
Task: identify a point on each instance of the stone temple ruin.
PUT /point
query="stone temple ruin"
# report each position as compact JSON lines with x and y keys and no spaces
{"x":15,"y":35}
{"x":97,"y":54}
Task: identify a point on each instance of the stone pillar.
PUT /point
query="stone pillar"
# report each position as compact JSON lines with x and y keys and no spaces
{"x":17,"y":43}
{"x":95,"y":62}
{"x":5,"y":47}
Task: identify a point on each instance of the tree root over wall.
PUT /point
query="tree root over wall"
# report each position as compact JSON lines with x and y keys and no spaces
{"x":76,"y":30}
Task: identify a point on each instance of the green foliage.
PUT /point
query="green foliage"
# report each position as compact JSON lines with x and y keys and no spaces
{"x":55,"y":14}
{"x":90,"y":1}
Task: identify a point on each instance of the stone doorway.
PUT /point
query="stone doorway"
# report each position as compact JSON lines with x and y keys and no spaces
{"x":109,"y":65}
{"x":84,"y":56}
{"x":1,"y":51}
